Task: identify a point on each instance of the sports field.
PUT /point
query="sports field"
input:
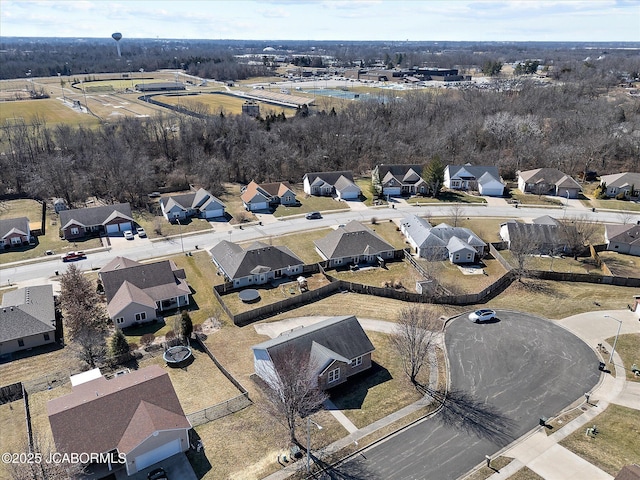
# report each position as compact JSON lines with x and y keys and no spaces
{"x":216,"y":103}
{"x":49,"y":111}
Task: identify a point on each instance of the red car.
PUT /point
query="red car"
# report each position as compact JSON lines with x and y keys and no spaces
{"x":71,"y":256}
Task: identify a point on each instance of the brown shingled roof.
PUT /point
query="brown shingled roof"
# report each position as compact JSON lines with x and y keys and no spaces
{"x":100,"y":415}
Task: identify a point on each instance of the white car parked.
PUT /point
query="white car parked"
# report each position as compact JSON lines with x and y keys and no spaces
{"x":484,"y":315}
{"x":128,"y":234}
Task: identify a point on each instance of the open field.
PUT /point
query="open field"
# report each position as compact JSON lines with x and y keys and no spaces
{"x":616,"y":443}
{"x":381,"y":391}
{"x":309,"y":203}
{"x":216,"y":103}
{"x":49,"y":111}
{"x":628,"y":347}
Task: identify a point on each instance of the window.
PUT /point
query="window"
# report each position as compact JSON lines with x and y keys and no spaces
{"x":334,"y":375}
{"x":21,"y":343}
{"x":119,"y":320}
{"x":356,"y":362}
{"x":46,"y":336}
{"x":141,"y":316}
{"x":75,"y":230}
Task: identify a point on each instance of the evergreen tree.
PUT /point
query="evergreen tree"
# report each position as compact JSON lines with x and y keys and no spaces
{"x":118,"y":344}
{"x":434,"y":176}
{"x":187,"y":325}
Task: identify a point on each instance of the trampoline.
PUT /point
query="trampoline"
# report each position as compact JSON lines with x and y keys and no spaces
{"x":178,"y":356}
{"x":249,"y":295}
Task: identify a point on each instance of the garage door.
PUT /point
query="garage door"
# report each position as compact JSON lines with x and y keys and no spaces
{"x":112,"y":228}
{"x":158,"y":454}
{"x":125,"y":226}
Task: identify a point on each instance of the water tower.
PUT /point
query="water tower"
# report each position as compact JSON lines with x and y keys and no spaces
{"x":117,"y":36}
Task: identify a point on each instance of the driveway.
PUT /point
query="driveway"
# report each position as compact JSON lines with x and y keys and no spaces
{"x":505,"y":376}
{"x":120,"y":244}
{"x":177,"y":467}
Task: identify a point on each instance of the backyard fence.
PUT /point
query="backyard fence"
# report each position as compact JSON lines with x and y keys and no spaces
{"x":220,"y":410}
{"x":10,"y":393}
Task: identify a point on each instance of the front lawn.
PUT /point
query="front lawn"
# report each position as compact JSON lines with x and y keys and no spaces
{"x":532,"y":199}
{"x":447,"y":196}
{"x":380,"y":391}
{"x":156,"y":226}
{"x":299,"y":243}
{"x":628,"y":347}
{"x":616,"y":443}
{"x":309,"y":203}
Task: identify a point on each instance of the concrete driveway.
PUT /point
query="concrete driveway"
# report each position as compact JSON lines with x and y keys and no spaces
{"x":505,"y":375}
{"x":177,"y":467}
{"x":119,"y":244}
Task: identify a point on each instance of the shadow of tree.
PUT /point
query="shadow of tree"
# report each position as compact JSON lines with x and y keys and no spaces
{"x":351,"y":396}
{"x":466,"y":412}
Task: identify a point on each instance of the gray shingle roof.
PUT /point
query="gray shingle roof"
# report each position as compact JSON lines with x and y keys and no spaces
{"x":540,"y":235}
{"x":337,"y":338}
{"x":159,"y":280}
{"x":352,"y":240}
{"x":625,"y":234}
{"x":199,"y":200}
{"x":20,"y":224}
{"x":95,"y":216}
{"x":237,"y":262}
{"x":551,"y":176}
{"x":27,"y":311}
{"x":621,"y":180}
{"x":329,"y":177}
{"x":424,"y":235}
{"x":476,"y":171}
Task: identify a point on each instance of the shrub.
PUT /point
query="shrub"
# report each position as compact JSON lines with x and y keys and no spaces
{"x":147,"y":339}
{"x":621,"y":196}
{"x":397,"y":284}
{"x":170,"y":335}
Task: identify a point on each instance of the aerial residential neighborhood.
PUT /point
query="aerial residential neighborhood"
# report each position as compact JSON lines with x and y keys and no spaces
{"x":241,"y":259}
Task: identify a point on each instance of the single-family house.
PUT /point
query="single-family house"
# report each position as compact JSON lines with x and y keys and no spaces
{"x":623,"y":239}
{"x":109,"y":219}
{"x":138,"y":292}
{"x":265,"y":196}
{"x":336,"y":348}
{"x":14,"y":232}
{"x":329,"y":183}
{"x":483,"y":179}
{"x":353,"y":244}
{"x":548,"y":181}
{"x":259,"y":263}
{"x":27,"y":318}
{"x":397,"y":180}
{"x":136,"y":417}
{"x":544,"y":235}
{"x":458,"y":244}
{"x":199,"y":204}
{"x":627,"y":183}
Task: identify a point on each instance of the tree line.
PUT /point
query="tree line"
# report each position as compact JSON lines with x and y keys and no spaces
{"x":569,"y":126}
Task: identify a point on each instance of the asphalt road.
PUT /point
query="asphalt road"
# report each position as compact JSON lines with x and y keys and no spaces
{"x":505,"y":375}
{"x":144,"y":250}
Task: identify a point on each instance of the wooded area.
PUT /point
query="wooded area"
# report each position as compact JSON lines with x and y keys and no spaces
{"x":582,"y":121}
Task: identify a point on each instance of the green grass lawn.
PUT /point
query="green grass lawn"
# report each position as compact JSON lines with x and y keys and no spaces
{"x":151,"y":223}
{"x":389,"y":232}
{"x":393,"y":273}
{"x":628,"y":347}
{"x":616,"y":444}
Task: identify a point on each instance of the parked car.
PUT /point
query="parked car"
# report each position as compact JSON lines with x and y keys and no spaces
{"x":483,"y":315}
{"x":71,"y":256}
{"x":313,"y":215}
{"x":157,"y":474}
{"x":128,"y":234}
{"x":141,"y":232}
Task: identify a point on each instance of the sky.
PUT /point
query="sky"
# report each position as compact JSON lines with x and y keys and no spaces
{"x":394,"y":20}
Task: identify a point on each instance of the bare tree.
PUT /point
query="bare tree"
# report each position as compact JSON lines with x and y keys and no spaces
{"x":42,"y":449}
{"x":456,"y":212}
{"x":89,"y":345}
{"x":414,"y":337}
{"x":578,"y":233}
{"x":293,"y":391}
{"x":522,"y":247}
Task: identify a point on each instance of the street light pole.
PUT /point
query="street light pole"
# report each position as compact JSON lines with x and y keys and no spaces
{"x":615,"y":342}
{"x":309,"y":422}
